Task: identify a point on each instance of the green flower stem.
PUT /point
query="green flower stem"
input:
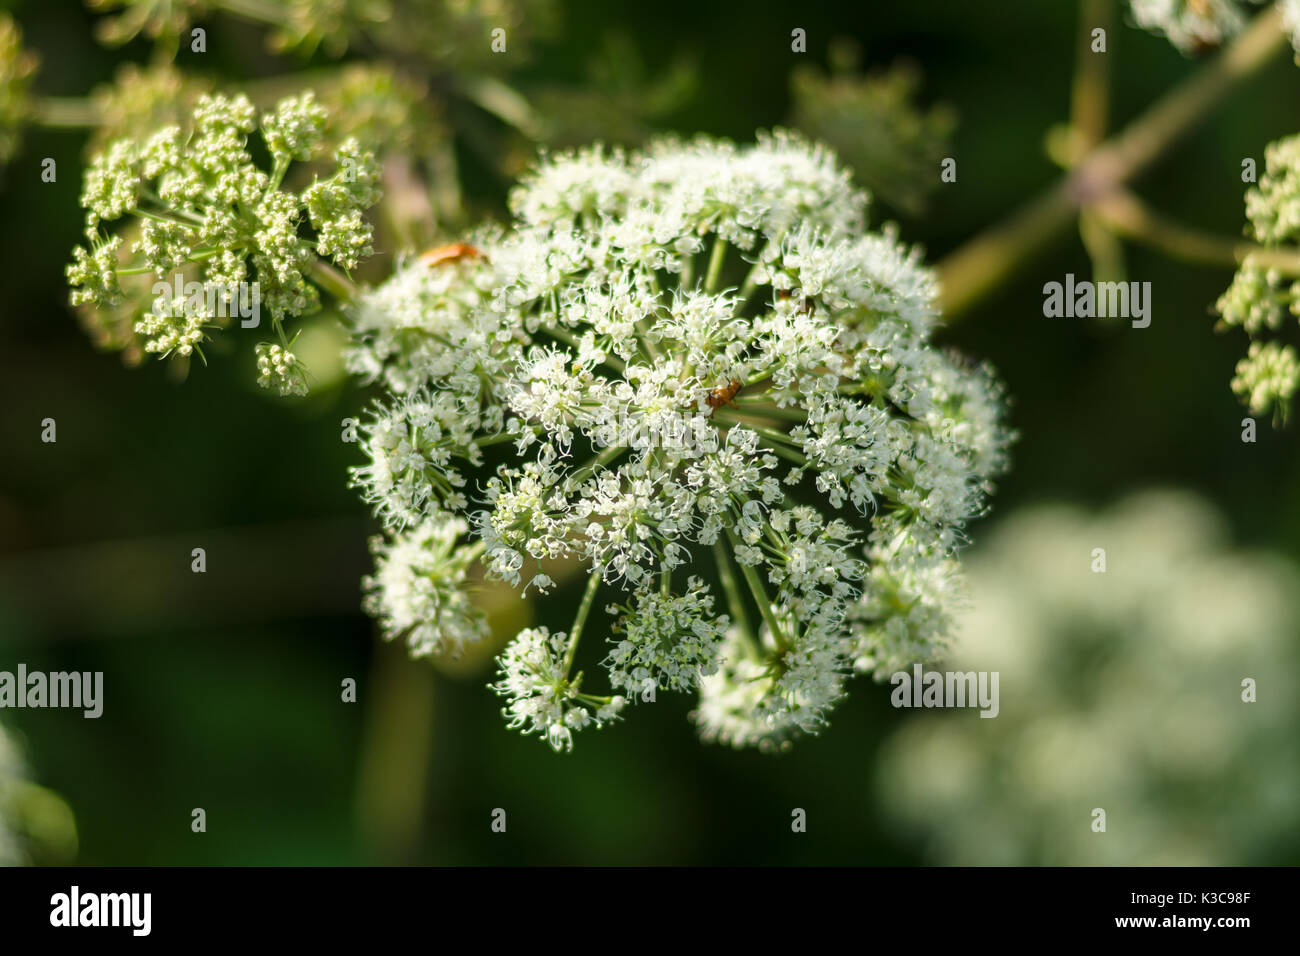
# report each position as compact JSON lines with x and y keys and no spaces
{"x":595,"y":699}
{"x":278,"y":170}
{"x":750,"y":285}
{"x":604,"y":458}
{"x":333,"y":281}
{"x":990,"y":259}
{"x":780,"y":442}
{"x":504,"y":437}
{"x":260,"y":11}
{"x":149,"y":194}
{"x":65,"y":112}
{"x":643,"y":333}
{"x":759,"y":593}
{"x":503,"y":102}
{"x":579,"y":622}
{"x":732,"y":590}
{"x":159,"y":217}
{"x":771,"y":434}
{"x":643,"y":337}
{"x":568,"y":338}
{"x":764,"y":407}
{"x":1090,"y":93}
{"x":1128,"y":216}
{"x":716,"y":258}
{"x":1089,"y":114}
{"x":789,"y":454}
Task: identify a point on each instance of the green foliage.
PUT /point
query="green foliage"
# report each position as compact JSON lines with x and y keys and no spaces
{"x":16,"y":69}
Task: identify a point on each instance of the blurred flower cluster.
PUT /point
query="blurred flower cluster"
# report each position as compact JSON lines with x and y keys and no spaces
{"x":445,"y":30}
{"x":1120,"y":691}
{"x":1193,"y":25}
{"x":1291,"y":22}
{"x":688,"y":355}
{"x":36,"y":825}
{"x":17,"y":66}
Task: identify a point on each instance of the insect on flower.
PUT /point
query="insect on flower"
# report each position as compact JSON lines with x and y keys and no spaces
{"x":454,"y":252}
{"x":724,"y":395}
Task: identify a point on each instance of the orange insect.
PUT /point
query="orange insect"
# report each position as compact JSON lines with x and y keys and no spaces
{"x":723,"y":396}
{"x":456,"y":252}
{"x":1202,"y":9}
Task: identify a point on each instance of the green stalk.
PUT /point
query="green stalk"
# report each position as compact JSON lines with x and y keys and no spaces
{"x":575,"y":633}
{"x":333,"y":281}
{"x":1128,"y":216}
{"x":779,"y":442}
{"x":991,"y":258}
{"x":734,"y":602}
{"x":759,"y":593}
{"x":716,"y":258}
{"x":568,"y":338}
{"x":604,"y":458}
{"x":65,"y":112}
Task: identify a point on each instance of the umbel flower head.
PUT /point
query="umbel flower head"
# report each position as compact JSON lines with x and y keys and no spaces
{"x":212,"y":221}
{"x":695,"y":373}
{"x":1266,"y":289}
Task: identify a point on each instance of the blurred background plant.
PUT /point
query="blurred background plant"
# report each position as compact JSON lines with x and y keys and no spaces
{"x":223,"y":689}
{"x":875,"y":124}
{"x":1119,"y":690}
{"x":36,"y":825}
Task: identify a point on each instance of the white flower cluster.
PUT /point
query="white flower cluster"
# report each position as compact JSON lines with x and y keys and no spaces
{"x":667,"y":640}
{"x":541,"y":697}
{"x":685,"y":368}
{"x":280,"y":368}
{"x":1291,"y":23}
{"x":418,"y":589}
{"x":1122,"y":696}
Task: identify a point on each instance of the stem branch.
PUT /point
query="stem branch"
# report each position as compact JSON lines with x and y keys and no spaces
{"x":981,"y":265}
